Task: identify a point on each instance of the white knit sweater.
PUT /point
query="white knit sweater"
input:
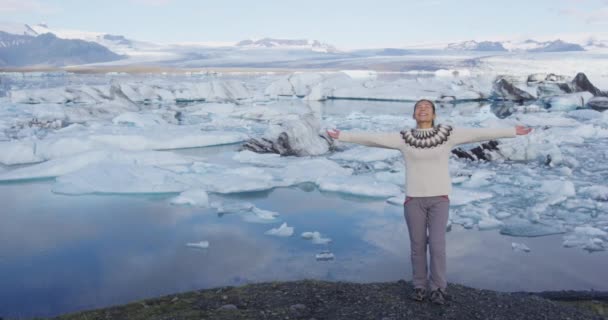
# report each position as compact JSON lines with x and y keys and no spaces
{"x":426,"y":152}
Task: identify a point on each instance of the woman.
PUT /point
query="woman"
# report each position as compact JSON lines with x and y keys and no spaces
{"x":426,"y":151}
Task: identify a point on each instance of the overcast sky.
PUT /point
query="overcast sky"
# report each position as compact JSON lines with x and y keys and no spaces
{"x":343,"y":23}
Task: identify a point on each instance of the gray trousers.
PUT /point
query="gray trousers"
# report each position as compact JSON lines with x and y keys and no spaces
{"x":422,"y":214}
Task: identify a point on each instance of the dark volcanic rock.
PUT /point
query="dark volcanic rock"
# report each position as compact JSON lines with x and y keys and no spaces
{"x":311,"y":299}
{"x":478,"y":153}
{"x":598,"y":103}
{"x":505,"y":90}
{"x":581,"y":83}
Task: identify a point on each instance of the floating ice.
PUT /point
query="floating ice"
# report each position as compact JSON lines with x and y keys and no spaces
{"x":130,"y":139}
{"x":62,"y":166}
{"x":518,"y":227}
{"x":111,"y":178}
{"x":397,"y":200}
{"x":139,"y":120}
{"x":198,"y":245}
{"x":587,"y":237}
{"x":282,"y":231}
{"x":324,"y":256}
{"x":260,"y":216}
{"x":365,"y":154}
{"x":480,"y":178}
{"x":260,"y":159}
{"x":315,"y":237}
{"x":462,"y":196}
{"x":519,"y":247}
{"x":596,"y":192}
{"x":193,"y":197}
{"x":126,"y":93}
{"x":359,"y":185}
{"x":232,"y":207}
{"x":567,"y":102}
{"x":489,"y":223}
{"x":556,"y":191}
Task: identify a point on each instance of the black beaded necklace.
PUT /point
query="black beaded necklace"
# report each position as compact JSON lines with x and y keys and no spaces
{"x":430,"y":138}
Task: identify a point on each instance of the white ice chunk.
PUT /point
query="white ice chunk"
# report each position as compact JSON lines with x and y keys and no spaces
{"x":193,"y":197}
{"x":519,"y":247}
{"x":316,"y":237}
{"x":518,"y":227}
{"x":62,"y":166}
{"x":568,"y":102}
{"x":359,"y":185}
{"x":260,"y":216}
{"x":489,"y":223}
{"x":461,"y":196}
{"x":364,"y":154}
{"x":198,"y":245}
{"x":113,"y":178}
{"x":139,"y":120}
{"x":260,"y":159}
{"x":325,"y":256}
{"x":556,"y":191}
{"x":282,"y":231}
{"x":587,"y":237}
{"x":480,"y":178}
{"x":596,"y":192}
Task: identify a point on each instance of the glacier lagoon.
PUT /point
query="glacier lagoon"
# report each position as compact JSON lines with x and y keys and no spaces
{"x":120,"y":189}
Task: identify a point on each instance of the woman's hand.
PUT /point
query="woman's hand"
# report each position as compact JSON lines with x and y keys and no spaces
{"x":335,"y":133}
{"x":521,"y":130}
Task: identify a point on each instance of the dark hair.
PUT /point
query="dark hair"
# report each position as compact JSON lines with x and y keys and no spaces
{"x":424,"y":100}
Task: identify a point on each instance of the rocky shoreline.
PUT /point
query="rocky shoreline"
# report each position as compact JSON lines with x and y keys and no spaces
{"x":312,"y":299}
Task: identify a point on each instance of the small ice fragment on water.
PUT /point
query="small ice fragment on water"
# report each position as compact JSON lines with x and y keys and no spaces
{"x":315,"y":237}
{"x":596,"y":192}
{"x":519,"y":247}
{"x":587,"y":237}
{"x":193,"y":197}
{"x":488,"y":223}
{"x":198,"y":245}
{"x":264,"y":214}
{"x":282,"y":231}
{"x":324,"y":256}
{"x":518,"y":227}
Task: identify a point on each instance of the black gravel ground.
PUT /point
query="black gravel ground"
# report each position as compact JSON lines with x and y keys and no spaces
{"x":310,"y":299}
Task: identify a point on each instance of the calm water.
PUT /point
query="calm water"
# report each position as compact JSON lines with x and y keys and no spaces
{"x":61,"y":254}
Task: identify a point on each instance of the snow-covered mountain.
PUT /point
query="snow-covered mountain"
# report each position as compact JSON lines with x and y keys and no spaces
{"x":313,"y":45}
{"x":473,"y":45}
{"x":528,"y":45}
{"x":48,"y":50}
{"x":116,"y":43}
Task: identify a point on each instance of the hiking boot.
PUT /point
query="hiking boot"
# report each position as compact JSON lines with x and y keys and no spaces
{"x":419,"y":294}
{"x":438,"y":296}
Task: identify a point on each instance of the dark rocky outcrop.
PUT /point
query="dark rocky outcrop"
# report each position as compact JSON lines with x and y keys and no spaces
{"x":47,"y":49}
{"x":581,"y":83}
{"x":299,"y":137}
{"x":505,"y":90}
{"x":478,"y":153}
{"x":598,"y":103}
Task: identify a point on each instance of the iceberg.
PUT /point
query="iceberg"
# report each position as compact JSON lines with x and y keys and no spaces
{"x":518,"y":227}
{"x":282,"y":231}
{"x":587,"y":237}
{"x":192,"y":197}
{"x":359,"y":185}
{"x":325,"y":256}
{"x":596,"y":192}
{"x":315,"y":237}
{"x":519,"y":247}
{"x":198,"y":245}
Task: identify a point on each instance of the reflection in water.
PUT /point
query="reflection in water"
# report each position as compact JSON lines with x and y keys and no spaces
{"x":61,"y":254}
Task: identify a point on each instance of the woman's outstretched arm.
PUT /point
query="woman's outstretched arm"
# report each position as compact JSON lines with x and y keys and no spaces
{"x":469,"y":135}
{"x":389,"y":140}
